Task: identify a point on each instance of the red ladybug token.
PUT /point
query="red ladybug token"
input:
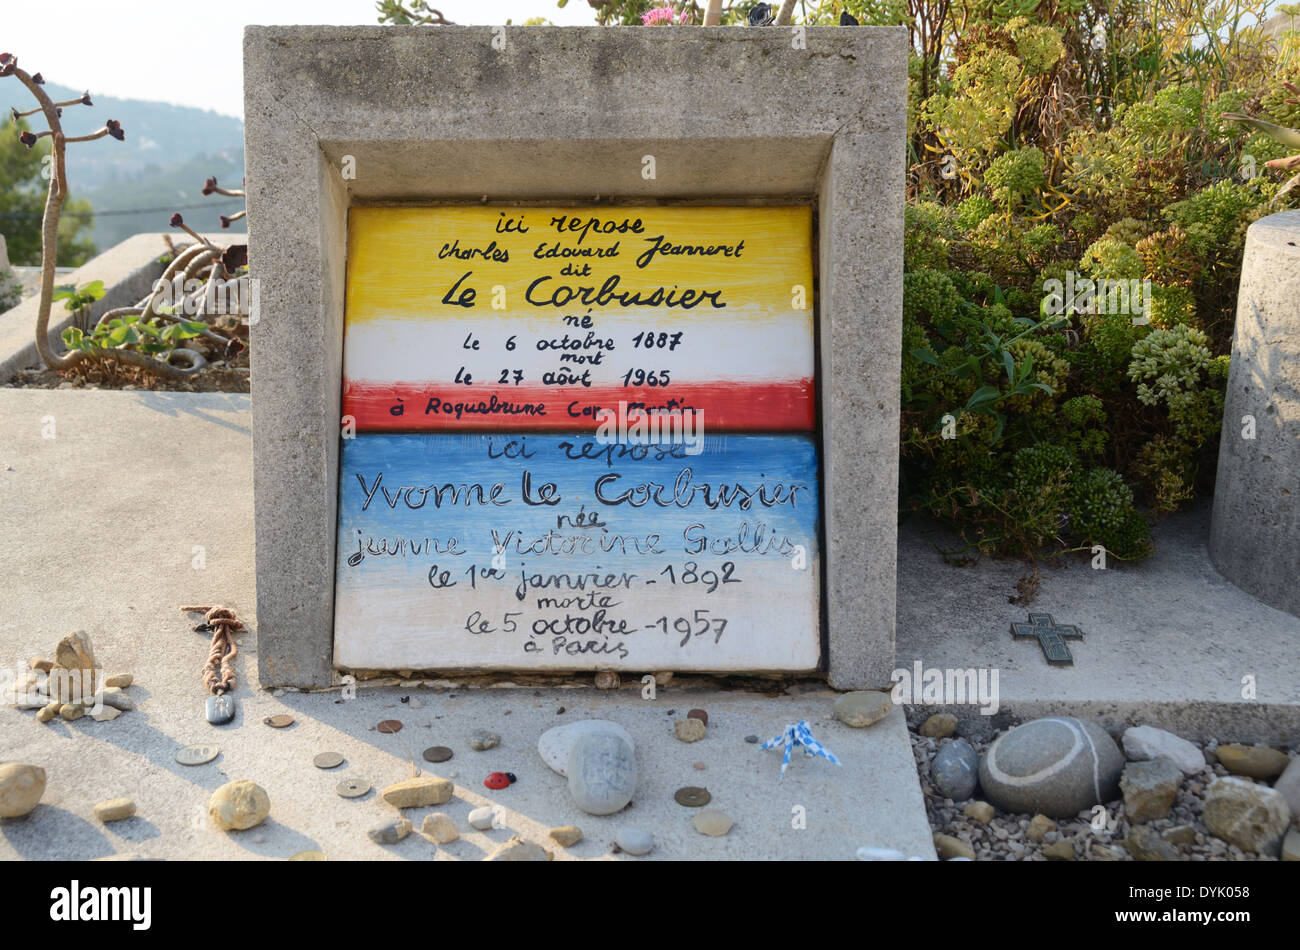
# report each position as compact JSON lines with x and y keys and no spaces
{"x":500,"y":780}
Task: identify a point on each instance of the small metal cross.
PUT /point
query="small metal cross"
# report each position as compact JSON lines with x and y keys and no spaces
{"x":1051,"y":636}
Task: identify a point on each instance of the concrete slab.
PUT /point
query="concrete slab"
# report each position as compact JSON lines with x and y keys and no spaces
{"x":105,"y":520}
{"x":1168,"y":641}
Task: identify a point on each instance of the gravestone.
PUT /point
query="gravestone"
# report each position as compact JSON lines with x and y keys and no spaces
{"x":557,"y":372}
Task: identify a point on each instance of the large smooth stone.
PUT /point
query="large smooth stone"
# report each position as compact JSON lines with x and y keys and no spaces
{"x":555,"y":744}
{"x":1057,"y":767}
{"x":1143,"y":743}
{"x":75,"y":656}
{"x":21,"y":788}
{"x":1253,"y":817}
{"x":238,"y":805}
{"x":955,"y":770}
{"x":602,"y":773}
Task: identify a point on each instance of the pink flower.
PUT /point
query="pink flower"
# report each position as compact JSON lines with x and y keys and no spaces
{"x":658,"y":16}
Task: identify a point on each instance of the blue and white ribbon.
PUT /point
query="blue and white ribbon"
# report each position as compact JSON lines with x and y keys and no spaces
{"x":799,"y":735}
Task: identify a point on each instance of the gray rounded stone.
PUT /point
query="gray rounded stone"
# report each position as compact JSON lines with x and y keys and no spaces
{"x":602,"y":773}
{"x":482,"y":740}
{"x":1057,"y":767}
{"x":556,"y":743}
{"x":634,"y":840}
{"x":955,"y":770}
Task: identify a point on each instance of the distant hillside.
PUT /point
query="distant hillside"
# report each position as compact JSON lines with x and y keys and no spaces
{"x":168,"y":152}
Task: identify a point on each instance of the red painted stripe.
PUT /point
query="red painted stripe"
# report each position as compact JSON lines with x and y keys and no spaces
{"x":727,"y":406}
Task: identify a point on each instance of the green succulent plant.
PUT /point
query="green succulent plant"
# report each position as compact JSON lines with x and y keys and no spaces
{"x":1288,"y":137}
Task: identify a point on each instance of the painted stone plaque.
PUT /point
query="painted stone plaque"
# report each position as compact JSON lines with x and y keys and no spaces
{"x":538,"y":550}
{"x":480,"y":318}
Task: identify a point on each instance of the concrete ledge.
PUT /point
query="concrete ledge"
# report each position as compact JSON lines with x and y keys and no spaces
{"x":128,"y":271}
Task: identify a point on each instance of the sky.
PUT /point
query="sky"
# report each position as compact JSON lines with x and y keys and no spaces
{"x":138,"y":49}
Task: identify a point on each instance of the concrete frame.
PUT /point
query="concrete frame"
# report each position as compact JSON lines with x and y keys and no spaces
{"x":428,"y":114}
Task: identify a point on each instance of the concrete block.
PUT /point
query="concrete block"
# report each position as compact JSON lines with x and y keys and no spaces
{"x":567,"y":114}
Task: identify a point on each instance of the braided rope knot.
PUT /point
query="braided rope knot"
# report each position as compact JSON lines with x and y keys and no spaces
{"x":219,"y":670}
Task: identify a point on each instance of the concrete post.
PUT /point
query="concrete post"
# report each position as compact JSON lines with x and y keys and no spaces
{"x":1255,"y":532}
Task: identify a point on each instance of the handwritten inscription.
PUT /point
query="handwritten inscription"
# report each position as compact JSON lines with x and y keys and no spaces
{"x":558,"y":313}
{"x":535,"y":551}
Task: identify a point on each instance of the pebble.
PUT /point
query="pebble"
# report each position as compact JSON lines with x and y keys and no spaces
{"x":113,"y":696}
{"x":48,"y":712}
{"x":863,"y":707}
{"x":440,"y":828}
{"x":74,"y":652}
{"x":1059,"y":851}
{"x":418,"y":792}
{"x":602,"y":773}
{"x":949,"y":848}
{"x":482,"y":740}
{"x":309,"y":856}
{"x":699,"y":766}
{"x":72,"y":711}
{"x":689,"y":730}
{"x":1288,"y":786}
{"x":955,"y":770}
{"x":517,"y":849}
{"x":1039,"y":826}
{"x":1145,"y":844}
{"x":40,"y":663}
{"x":1147,"y":742}
{"x":751,"y":739}
{"x":566,"y":836}
{"x":1291,"y":845}
{"x":556,"y":743}
{"x":699,"y":714}
{"x":1149,"y":788}
{"x":120,"y":680}
{"x":1055,"y":766}
{"x":1180,"y":834}
{"x":712,"y":822}
{"x":115,"y":809}
{"x":21,"y":788}
{"x":607,"y":679}
{"x":1249,"y":816}
{"x":1253,"y":761}
{"x":220,"y":709}
{"x":481,"y":818}
{"x":634,"y":841}
{"x":390,"y":832}
{"x":238,"y":805}
{"x":939,"y":726}
{"x":107,"y":714}
{"x":979,"y":811}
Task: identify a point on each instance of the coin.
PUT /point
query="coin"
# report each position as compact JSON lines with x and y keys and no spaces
{"x":692,"y":797}
{"x":437,"y":753}
{"x":309,"y":856}
{"x":328,"y":760}
{"x":279,"y":722}
{"x":196,"y":754}
{"x":699,"y":714}
{"x":352,"y":788}
{"x":390,"y":725}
